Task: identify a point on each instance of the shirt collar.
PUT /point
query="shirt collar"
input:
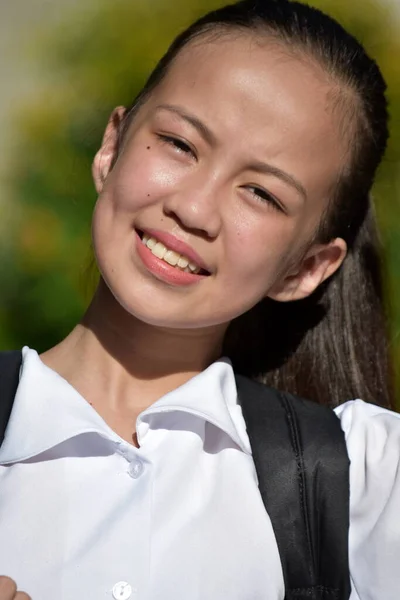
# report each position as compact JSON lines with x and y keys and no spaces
{"x":211,"y":396}
{"x":48,"y":410}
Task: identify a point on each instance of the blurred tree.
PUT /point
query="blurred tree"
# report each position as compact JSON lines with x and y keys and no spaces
{"x":91,"y":65}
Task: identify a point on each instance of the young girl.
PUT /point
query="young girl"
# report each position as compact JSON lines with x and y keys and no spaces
{"x":233,"y":233}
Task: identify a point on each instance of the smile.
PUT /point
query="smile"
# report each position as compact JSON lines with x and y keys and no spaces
{"x":179,"y":261}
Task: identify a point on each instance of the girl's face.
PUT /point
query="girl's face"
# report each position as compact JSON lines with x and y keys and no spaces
{"x":229,"y":163}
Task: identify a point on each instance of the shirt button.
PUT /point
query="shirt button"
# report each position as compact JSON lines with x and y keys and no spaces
{"x":136,"y":468}
{"x":122,"y":591}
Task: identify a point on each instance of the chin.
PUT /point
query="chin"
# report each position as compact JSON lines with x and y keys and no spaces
{"x":154,"y":303}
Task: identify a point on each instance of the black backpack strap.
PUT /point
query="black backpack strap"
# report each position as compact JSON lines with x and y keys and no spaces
{"x":302,"y":465}
{"x":10,"y":363}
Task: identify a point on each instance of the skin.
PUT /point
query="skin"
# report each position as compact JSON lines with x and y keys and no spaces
{"x":142,"y":337}
{"x":8,"y":590}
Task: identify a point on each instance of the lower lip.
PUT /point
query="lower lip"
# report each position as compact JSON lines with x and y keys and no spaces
{"x":162,"y":270}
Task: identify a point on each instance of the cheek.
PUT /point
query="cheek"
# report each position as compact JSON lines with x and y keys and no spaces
{"x":260,"y":250}
{"x":140,"y":178}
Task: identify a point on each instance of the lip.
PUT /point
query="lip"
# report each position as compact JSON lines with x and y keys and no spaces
{"x":179,"y":246}
{"x":162,"y":270}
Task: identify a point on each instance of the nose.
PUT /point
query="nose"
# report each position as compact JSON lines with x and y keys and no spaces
{"x":197,"y":208}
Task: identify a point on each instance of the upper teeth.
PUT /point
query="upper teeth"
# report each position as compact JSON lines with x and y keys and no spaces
{"x":171,"y":257}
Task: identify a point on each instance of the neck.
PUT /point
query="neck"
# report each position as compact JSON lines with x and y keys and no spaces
{"x":117,"y":360}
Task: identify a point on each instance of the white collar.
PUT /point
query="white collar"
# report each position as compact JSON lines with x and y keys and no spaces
{"x":48,"y":410}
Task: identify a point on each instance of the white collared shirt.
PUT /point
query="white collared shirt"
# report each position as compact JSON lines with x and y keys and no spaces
{"x":84,"y":514}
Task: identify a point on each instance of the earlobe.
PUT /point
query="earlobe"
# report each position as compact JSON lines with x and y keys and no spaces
{"x":322,"y":261}
{"x":105,"y":156}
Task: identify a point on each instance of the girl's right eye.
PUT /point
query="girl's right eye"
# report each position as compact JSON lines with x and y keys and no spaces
{"x":179,"y":145}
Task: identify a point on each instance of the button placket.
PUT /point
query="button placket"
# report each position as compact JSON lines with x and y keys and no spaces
{"x":136,"y":465}
{"x":136,"y":468}
{"x":122,"y":590}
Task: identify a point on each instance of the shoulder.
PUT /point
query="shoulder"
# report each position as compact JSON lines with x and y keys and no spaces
{"x":273,"y":415}
{"x":370,"y":431}
{"x":373,"y":442}
{"x":372,"y":437}
{"x":262,"y":398}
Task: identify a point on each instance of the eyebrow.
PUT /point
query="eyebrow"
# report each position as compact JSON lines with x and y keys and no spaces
{"x":261,"y":167}
{"x":209,"y":137}
{"x":204,"y":131}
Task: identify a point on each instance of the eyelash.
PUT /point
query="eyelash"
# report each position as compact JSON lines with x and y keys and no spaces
{"x":266,"y":197}
{"x":184,"y":148}
{"x":178,"y":144}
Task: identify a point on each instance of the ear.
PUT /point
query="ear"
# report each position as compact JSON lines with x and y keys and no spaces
{"x":320,"y":262}
{"x":104,"y":158}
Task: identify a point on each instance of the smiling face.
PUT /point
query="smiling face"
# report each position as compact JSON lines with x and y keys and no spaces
{"x":230,"y":163}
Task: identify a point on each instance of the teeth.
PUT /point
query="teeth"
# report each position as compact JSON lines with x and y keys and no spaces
{"x":159,"y":250}
{"x":172,"y":258}
{"x":182,"y":262}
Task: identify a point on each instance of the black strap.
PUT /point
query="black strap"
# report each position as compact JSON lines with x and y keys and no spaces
{"x":10,"y":363}
{"x":301,"y":460}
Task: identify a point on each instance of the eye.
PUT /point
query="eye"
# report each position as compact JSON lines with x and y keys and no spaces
{"x":264,"y":196}
{"x":179,"y":145}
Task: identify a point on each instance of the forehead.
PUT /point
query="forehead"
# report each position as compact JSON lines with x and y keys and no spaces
{"x":267,"y":97}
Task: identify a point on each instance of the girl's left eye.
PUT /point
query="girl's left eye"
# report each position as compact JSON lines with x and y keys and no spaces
{"x":179,"y":145}
{"x":264,"y":196}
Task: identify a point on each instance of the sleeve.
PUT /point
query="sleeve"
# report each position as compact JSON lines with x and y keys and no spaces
{"x":373,"y":443}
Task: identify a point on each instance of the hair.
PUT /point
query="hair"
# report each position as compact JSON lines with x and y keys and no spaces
{"x":332,"y":346}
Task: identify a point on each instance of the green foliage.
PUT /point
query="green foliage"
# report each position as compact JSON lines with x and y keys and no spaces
{"x":90,"y":65}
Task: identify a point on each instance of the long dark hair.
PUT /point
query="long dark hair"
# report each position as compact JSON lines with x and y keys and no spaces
{"x":332,"y":346}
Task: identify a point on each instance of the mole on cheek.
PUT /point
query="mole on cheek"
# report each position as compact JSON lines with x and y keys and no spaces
{"x":148,"y":147}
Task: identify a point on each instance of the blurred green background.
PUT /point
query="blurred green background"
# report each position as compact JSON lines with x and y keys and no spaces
{"x":89,"y":62}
